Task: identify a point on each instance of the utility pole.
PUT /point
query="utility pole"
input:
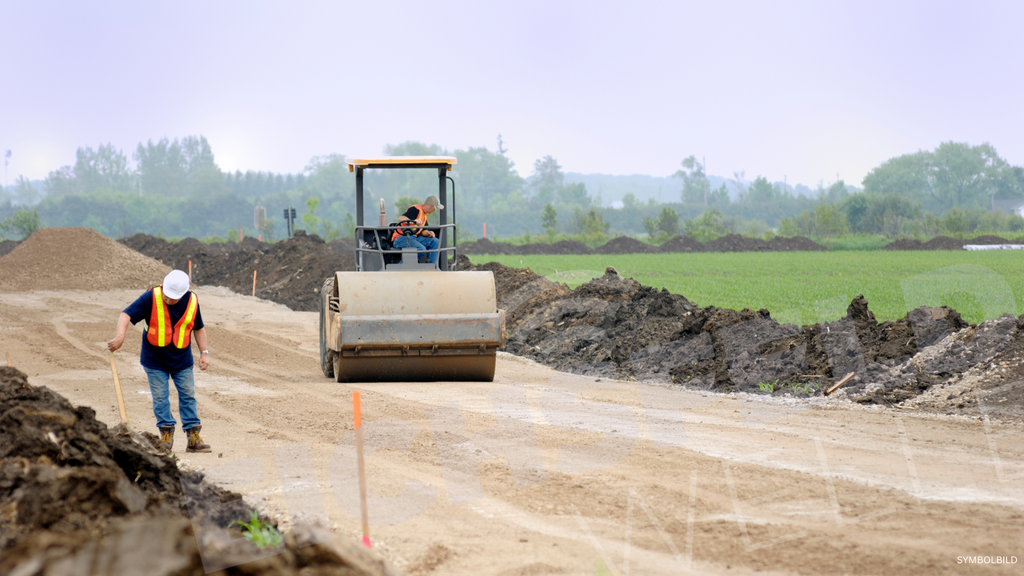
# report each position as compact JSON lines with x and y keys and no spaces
{"x":7,"y":159}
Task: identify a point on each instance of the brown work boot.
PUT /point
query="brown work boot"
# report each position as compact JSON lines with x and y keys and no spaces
{"x":166,"y":438}
{"x":195,"y":443}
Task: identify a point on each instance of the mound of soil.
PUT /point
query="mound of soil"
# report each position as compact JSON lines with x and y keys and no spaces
{"x":76,"y":259}
{"x":937,"y":243}
{"x":682,"y":244}
{"x":614,"y":327}
{"x":6,"y":246}
{"x":735,"y":243}
{"x":289,"y":272}
{"x":626,"y":245}
{"x":943,"y":243}
{"x":794,"y":244}
{"x":74,"y":493}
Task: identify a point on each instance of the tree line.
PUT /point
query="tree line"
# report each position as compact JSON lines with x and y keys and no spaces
{"x":175,"y":188}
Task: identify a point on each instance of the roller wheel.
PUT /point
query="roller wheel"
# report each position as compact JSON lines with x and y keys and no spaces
{"x":326,"y":356}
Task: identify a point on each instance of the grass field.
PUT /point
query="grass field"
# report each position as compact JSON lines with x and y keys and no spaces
{"x":809,"y":287}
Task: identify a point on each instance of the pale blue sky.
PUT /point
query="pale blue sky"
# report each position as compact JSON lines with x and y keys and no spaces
{"x":801,"y":89}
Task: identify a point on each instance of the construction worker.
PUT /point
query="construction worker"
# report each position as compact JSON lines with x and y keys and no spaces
{"x":172,"y":317}
{"x":411,"y":231}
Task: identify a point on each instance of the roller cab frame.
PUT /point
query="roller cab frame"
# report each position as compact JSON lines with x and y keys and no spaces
{"x":395,"y":319}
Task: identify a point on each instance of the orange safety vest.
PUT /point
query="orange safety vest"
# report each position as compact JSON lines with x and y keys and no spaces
{"x":160,"y":332}
{"x":421,"y":220}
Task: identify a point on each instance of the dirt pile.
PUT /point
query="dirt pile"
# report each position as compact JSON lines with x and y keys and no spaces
{"x":289,"y":272}
{"x":682,"y":244}
{"x":614,"y":327}
{"x":74,"y":493}
{"x":76,"y":259}
{"x":6,"y":246}
{"x":627,"y":245}
{"x":943,"y":243}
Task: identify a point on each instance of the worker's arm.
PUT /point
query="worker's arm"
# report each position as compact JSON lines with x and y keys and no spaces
{"x":204,"y":359}
{"x":122,"y":328}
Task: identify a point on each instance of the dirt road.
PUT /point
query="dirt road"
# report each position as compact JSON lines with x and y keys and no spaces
{"x":547,"y":473}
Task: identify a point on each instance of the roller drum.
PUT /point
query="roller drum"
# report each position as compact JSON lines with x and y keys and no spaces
{"x":413,"y":326}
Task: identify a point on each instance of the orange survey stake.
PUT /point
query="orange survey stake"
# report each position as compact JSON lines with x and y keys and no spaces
{"x":356,"y":409}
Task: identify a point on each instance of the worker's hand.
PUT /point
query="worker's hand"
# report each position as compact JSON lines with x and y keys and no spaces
{"x":114,"y":344}
{"x":204,"y":361}
{"x":428,"y":233}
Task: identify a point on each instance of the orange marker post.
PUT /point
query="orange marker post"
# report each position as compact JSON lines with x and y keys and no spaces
{"x":485,"y":229}
{"x":241,"y":235}
{"x":9,"y":359}
{"x":189,"y":271}
{"x":253,"y":283}
{"x":357,"y":417}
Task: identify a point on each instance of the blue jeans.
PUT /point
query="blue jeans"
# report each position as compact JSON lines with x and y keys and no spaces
{"x":186,"y":385}
{"x":419,"y":243}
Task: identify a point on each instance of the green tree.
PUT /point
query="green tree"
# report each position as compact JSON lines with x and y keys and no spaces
{"x":953,"y":175}
{"x":589,"y":223}
{"x":179,"y":169}
{"x":23,"y":223}
{"x":695,"y":182}
{"x":760,"y":190}
{"x":310,"y":220}
{"x":835,"y":192}
{"x":630,"y":201}
{"x":327,"y":175}
{"x":549,"y":219}
{"x":668,"y":221}
{"x":719,"y":196}
{"x":574,"y":194}
{"x":267,"y":230}
{"x":906,"y":175}
{"x":546,"y":179}
{"x":24,"y":192}
{"x":708,"y":226}
{"x":483,"y":175}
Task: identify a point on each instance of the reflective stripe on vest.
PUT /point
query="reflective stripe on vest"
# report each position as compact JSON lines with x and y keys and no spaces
{"x":160,"y":332}
{"x":421,"y":220}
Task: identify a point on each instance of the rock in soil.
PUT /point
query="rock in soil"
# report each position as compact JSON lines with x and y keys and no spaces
{"x":79,"y":498}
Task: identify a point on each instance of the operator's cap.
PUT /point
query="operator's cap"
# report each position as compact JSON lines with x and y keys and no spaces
{"x":175,"y":284}
{"x":433,"y":201}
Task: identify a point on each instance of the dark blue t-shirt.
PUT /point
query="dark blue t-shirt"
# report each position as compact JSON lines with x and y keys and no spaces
{"x":167,"y":358}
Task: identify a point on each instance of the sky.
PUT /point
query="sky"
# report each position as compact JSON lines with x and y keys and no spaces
{"x":806,"y":91}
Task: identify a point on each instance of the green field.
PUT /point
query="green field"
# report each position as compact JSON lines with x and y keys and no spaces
{"x":809,"y":287}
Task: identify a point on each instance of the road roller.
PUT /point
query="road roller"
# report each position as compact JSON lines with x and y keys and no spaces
{"x":398,"y":319}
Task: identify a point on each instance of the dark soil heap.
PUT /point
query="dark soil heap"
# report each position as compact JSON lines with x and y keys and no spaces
{"x":76,"y":259}
{"x":6,"y":246}
{"x":682,"y":244}
{"x":289,"y":272}
{"x":627,"y":245}
{"x":614,"y":327}
{"x":942,"y":243}
{"x":75,"y":493}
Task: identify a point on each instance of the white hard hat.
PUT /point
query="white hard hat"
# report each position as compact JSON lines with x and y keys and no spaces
{"x":175,"y":284}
